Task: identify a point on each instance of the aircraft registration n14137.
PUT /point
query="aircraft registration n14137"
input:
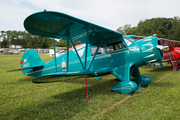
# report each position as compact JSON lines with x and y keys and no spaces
{"x":102,"y":51}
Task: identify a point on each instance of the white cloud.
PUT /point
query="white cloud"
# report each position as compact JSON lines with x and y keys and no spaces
{"x":12,"y":15}
{"x":108,"y":13}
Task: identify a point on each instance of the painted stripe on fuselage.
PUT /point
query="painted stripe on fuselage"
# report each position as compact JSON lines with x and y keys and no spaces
{"x":148,"y":44}
{"x":147,"y":39}
{"x":42,"y":70}
{"x":149,"y":50}
{"x":150,"y":56}
{"x":115,"y":52}
{"x":151,"y":61}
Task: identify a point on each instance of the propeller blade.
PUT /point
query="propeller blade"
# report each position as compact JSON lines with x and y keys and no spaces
{"x":161,"y":47}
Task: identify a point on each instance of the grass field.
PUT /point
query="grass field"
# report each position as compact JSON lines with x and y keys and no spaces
{"x":22,"y":99}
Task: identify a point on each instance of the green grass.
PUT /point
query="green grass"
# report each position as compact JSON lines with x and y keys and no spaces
{"x":22,"y":99}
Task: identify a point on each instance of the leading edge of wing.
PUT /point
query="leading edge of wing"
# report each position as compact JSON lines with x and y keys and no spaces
{"x":59,"y":25}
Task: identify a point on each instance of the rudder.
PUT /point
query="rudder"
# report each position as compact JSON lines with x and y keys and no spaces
{"x":30,"y":59}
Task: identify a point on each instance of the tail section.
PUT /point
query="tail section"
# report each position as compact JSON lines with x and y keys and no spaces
{"x":30,"y":61}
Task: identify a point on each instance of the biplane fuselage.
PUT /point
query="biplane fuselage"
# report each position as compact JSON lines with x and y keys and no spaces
{"x":135,"y":55}
{"x":103,"y":51}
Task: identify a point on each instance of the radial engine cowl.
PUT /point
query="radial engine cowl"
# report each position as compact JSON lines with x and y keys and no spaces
{"x":150,"y":53}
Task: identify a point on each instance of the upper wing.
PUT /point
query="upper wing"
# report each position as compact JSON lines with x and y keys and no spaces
{"x":59,"y":25}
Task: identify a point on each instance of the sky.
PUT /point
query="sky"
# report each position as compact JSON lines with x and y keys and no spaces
{"x":111,"y":14}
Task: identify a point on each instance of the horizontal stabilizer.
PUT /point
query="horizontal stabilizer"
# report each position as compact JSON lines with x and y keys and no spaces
{"x":17,"y":69}
{"x":24,"y":68}
{"x":29,"y":60}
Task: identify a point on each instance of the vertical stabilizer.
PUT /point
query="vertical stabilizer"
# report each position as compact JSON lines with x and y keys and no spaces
{"x":31,"y":61}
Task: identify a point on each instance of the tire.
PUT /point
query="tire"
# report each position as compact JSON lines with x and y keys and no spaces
{"x":131,"y":93}
{"x":175,"y":68}
{"x":145,"y":86}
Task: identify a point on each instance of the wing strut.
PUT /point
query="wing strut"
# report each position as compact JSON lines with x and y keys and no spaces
{"x":67,"y":54}
{"x":87,"y":41}
{"x":76,"y":52}
{"x":69,"y":38}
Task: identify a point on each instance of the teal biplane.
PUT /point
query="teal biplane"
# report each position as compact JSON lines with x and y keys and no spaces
{"x":102,"y":51}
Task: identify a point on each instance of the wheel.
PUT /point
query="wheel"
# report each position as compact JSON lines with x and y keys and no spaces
{"x":175,"y":68}
{"x":116,"y":79}
{"x":145,"y":86}
{"x":178,"y":63}
{"x":131,"y":93}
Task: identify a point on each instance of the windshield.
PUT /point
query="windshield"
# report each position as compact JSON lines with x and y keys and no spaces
{"x":129,"y":41}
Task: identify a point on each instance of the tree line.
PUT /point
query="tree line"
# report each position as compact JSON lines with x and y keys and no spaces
{"x":25,"y":39}
{"x":28,"y":40}
{"x":168,"y":28}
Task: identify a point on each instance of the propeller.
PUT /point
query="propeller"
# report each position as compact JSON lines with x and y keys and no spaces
{"x":162,"y":47}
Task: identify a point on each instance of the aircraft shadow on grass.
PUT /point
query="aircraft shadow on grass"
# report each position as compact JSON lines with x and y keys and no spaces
{"x":67,"y":104}
{"x":73,"y":101}
{"x":69,"y":79}
{"x":47,"y":79}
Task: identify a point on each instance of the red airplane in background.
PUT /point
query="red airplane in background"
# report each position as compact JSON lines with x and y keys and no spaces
{"x":173,"y":54}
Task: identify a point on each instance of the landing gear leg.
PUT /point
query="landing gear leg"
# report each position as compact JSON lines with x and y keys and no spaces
{"x":138,"y":79}
{"x":125,"y":86}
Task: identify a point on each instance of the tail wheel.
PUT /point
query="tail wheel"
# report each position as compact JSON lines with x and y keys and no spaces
{"x":145,"y":86}
{"x":175,"y":68}
{"x":131,"y":93}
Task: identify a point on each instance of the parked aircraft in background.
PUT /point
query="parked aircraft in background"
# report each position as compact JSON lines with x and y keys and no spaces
{"x":58,"y":53}
{"x":135,"y":37}
{"x":172,"y":55}
{"x":2,"y":51}
{"x":12,"y":51}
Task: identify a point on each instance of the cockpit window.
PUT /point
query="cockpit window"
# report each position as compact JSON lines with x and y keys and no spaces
{"x":93,"y":50}
{"x":80,"y":49}
{"x":129,"y":41}
{"x":114,"y":46}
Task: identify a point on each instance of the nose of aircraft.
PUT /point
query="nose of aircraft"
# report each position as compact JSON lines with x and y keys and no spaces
{"x":151,"y":50}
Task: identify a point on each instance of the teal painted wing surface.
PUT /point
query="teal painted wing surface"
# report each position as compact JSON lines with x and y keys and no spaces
{"x":59,"y":25}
